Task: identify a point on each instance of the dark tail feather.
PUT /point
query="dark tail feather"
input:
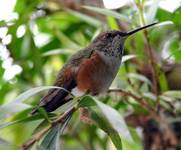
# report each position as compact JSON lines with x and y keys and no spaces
{"x":56,"y":98}
{"x":55,"y":102}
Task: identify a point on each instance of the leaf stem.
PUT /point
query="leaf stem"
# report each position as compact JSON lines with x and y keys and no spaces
{"x":140,"y":100}
{"x":40,"y":134}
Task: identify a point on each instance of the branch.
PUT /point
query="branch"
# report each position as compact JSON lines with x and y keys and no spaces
{"x":150,"y":51}
{"x":153,"y":114}
{"x":40,"y":134}
{"x":152,"y":64}
{"x":140,"y":100}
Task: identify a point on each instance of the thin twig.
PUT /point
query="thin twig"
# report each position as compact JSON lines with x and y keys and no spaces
{"x":152,"y":64}
{"x":150,"y":55}
{"x":152,"y":112}
{"x":140,"y":100}
{"x":40,"y":134}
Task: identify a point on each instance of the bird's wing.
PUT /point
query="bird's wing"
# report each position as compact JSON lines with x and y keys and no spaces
{"x":66,"y":79}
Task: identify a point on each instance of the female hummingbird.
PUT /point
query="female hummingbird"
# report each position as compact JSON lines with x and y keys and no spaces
{"x":90,"y":70}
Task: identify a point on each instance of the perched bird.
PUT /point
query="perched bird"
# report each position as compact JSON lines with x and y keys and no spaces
{"x":90,"y":70}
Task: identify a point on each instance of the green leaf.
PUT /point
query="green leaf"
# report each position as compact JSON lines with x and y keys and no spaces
{"x":66,"y":41}
{"x":164,"y":23}
{"x":3,"y":23}
{"x":113,"y":117}
{"x":176,"y":16}
{"x":128,"y":57}
{"x":112,"y":23}
{"x":86,"y":101}
{"x":34,"y":91}
{"x":106,"y":127}
{"x":176,"y":53}
{"x":5,"y":145}
{"x":12,"y":108}
{"x":17,"y":105}
{"x":163,"y":82}
{"x":39,"y":147}
{"x":150,"y":96}
{"x":67,"y":106}
{"x":165,"y":98}
{"x":139,"y":77}
{"x":116,"y":120}
{"x":58,"y":51}
{"x":107,"y":12}
{"x":44,"y":113}
{"x":52,"y":139}
{"x":174,"y":94}
{"x":163,"y":15}
{"x":86,"y":18}
{"x":27,"y":119}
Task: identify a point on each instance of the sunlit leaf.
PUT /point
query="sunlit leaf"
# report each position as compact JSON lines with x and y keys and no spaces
{"x":105,"y":126}
{"x":127,"y":57}
{"x":7,"y":109}
{"x":112,"y":23}
{"x":176,"y":16}
{"x":67,"y":106}
{"x":166,"y":98}
{"x":107,"y":12}
{"x":115,"y":119}
{"x":163,"y":15}
{"x":139,"y":77}
{"x":152,"y":11}
{"x":174,"y":94}
{"x":4,"y":144}
{"x":163,"y":82}
{"x":165,"y":23}
{"x":24,"y":120}
{"x":66,"y":41}
{"x":34,"y":91}
{"x":86,"y":18}
{"x":58,"y":51}
{"x":150,"y":96}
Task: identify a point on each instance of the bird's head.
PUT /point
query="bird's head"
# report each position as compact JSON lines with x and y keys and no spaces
{"x":112,"y":42}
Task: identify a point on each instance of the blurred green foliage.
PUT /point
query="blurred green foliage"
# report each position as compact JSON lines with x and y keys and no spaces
{"x":48,"y":36}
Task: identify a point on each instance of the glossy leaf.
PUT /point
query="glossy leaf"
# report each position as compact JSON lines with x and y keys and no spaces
{"x":51,"y":140}
{"x":106,"y":127}
{"x":113,"y":117}
{"x":116,"y":120}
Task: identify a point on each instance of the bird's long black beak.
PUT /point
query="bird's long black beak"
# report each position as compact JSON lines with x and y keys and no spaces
{"x":141,"y":28}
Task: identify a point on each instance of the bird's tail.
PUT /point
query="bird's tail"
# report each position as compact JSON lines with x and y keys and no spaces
{"x":53,"y":100}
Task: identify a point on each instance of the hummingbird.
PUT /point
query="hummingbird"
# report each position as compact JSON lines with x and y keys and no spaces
{"x":90,"y":70}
